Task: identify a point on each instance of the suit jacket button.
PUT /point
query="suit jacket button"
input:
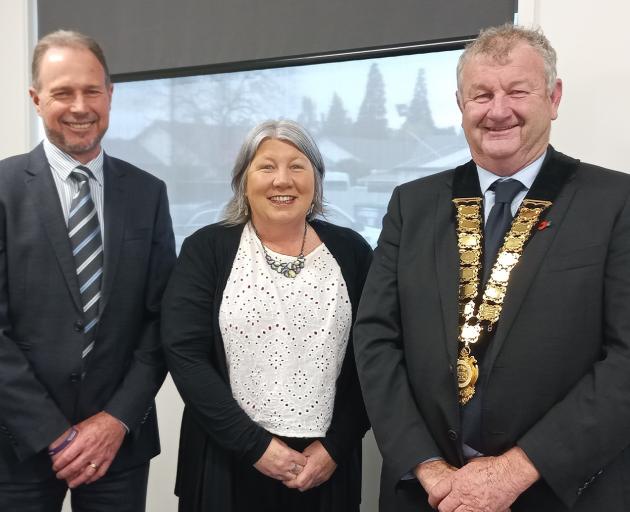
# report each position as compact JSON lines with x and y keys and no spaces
{"x":74,"y":377}
{"x":452,"y":435}
{"x":78,"y":326}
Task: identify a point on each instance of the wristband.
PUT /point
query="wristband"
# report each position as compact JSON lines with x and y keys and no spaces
{"x":69,"y":438}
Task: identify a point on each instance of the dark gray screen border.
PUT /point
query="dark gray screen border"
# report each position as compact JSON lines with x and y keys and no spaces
{"x":143,"y":37}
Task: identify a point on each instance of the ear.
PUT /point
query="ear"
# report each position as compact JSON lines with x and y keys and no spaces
{"x":556,"y":96}
{"x":32,"y":92}
{"x":458,"y":99}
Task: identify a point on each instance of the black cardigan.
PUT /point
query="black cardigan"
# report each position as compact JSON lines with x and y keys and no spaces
{"x":215,"y":430}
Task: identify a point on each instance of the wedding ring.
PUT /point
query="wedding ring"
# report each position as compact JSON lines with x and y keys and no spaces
{"x":93,"y":466}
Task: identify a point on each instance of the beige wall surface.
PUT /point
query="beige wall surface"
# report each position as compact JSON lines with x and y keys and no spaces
{"x":591,"y":40}
{"x":15,"y":51}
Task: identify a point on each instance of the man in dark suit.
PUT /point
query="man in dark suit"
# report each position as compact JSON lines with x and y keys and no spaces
{"x":493,"y":335}
{"x":86,"y":248}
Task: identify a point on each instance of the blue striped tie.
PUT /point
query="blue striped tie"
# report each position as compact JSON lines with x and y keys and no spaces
{"x":87,"y":248}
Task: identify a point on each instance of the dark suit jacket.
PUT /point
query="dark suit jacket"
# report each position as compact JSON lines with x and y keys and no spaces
{"x":216,"y":433}
{"x":559,"y":364}
{"x":41,"y":389}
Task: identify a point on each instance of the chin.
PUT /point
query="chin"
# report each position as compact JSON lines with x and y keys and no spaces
{"x":73,"y":144}
{"x":80,"y":147}
{"x":500,"y":149}
{"x":286,"y":219}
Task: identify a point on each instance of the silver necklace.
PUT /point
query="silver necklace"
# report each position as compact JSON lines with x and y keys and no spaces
{"x":288,"y":269}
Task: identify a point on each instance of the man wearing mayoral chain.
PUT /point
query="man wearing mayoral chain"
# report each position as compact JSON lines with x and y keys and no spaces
{"x":493,"y":336}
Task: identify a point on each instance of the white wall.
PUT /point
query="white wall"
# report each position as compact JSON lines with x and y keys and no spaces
{"x":15,"y":51}
{"x":591,"y":39}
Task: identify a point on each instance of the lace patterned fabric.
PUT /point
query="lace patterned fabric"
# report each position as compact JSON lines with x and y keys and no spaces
{"x":285,"y":339}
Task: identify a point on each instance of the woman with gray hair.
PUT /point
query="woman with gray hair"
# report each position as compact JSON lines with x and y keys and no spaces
{"x":256,"y":325}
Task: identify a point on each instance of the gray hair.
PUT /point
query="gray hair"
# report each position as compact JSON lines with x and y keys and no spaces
{"x":66,"y":39}
{"x":498,"y":42}
{"x":237,"y":210}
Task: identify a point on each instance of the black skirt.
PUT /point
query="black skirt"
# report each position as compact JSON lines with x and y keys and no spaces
{"x":210,"y":479}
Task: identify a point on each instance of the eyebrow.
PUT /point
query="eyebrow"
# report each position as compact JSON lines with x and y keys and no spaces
{"x":72,"y":87}
{"x":291,"y":159}
{"x":478,"y":86}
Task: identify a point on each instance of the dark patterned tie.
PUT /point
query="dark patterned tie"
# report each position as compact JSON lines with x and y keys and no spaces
{"x":87,"y":248}
{"x":499,"y":220}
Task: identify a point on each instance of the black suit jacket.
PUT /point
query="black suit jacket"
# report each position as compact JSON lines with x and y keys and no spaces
{"x":558,"y":383}
{"x":42,"y":391}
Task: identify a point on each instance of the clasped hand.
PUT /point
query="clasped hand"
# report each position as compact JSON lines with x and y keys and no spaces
{"x":301,"y":471}
{"x":88,"y":457}
{"x":485,"y":484}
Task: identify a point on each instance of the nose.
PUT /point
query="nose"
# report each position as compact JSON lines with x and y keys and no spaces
{"x":282,"y":177}
{"x":78,"y":104}
{"x":499,"y":107}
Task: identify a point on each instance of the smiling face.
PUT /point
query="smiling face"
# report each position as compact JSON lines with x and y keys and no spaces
{"x":280,"y":184}
{"x":507,"y":110}
{"x":73,"y":99}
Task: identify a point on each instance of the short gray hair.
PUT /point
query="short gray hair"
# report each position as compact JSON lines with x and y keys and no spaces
{"x":498,"y":42}
{"x":237,"y":210}
{"x":66,"y":39}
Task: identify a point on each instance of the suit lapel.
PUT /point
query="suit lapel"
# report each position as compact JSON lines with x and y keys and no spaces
{"x":40,"y":183}
{"x":447,"y":262}
{"x":557,"y":171}
{"x":114,"y":213}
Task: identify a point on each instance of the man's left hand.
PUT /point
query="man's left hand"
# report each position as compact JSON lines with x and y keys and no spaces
{"x":319,"y":468}
{"x":488,"y":484}
{"x":91,"y":453}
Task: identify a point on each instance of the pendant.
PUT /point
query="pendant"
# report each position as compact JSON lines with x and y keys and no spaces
{"x":467,"y":375}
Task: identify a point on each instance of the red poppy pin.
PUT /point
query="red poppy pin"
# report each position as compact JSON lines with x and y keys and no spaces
{"x":543,"y":224}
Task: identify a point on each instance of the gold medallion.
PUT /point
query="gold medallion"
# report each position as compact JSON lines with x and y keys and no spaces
{"x":495,"y":293}
{"x":468,"y":273}
{"x":470,"y":333}
{"x":470,"y":241}
{"x":469,"y":308}
{"x":467,"y":375}
{"x":520,"y":228}
{"x":513,"y":244}
{"x":528,"y":214}
{"x":489,"y":312}
{"x":467,"y":210}
{"x":469,"y":225}
{"x":469,"y":290}
{"x":500,"y":275}
{"x":470,"y":257}
{"x":507,"y":259}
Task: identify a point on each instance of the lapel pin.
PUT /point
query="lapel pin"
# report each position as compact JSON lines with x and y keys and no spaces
{"x":543,"y":224}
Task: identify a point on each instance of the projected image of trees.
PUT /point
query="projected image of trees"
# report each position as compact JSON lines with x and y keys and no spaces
{"x":378,"y":123}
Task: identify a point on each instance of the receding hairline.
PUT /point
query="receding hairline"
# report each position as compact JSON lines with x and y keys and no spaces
{"x":62,"y":39}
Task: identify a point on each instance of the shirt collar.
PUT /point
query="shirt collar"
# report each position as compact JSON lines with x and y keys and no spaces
{"x":63,"y":164}
{"x":526,"y":175}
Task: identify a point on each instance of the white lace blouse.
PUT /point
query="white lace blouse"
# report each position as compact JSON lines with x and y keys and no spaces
{"x":285,"y":339}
